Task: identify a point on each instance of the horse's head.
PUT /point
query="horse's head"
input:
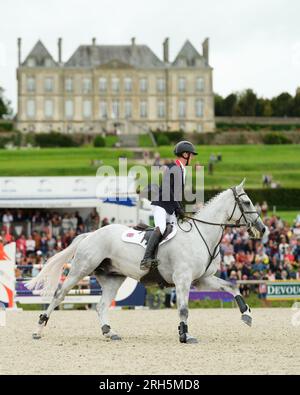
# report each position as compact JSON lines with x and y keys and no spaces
{"x":244,"y":212}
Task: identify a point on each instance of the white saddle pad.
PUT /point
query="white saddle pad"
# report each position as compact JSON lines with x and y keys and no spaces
{"x":137,"y":237}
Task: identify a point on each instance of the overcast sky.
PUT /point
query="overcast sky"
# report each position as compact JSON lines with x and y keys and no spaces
{"x":253,"y":43}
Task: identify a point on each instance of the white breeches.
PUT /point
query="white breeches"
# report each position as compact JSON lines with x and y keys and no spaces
{"x":161,"y":217}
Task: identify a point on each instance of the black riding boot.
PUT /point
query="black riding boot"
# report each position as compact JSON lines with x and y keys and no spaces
{"x":149,"y":260}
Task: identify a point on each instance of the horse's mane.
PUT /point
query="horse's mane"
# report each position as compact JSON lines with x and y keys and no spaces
{"x":209,"y":202}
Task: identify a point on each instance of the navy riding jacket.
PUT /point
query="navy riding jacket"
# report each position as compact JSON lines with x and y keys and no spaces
{"x":171,"y":192}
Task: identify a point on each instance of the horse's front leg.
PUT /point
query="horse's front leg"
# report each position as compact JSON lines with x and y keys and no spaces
{"x":182,"y":283}
{"x":215,"y":283}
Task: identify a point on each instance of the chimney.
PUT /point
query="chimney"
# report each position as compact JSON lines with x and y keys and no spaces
{"x":94,"y":41}
{"x":205,"y":48}
{"x":166,"y":50}
{"x":59,"y":50}
{"x":133,"y":42}
{"x":19,"y":50}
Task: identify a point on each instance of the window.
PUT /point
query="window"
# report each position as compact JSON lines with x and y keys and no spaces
{"x":181,"y":109}
{"x":199,"y":108}
{"x":48,"y":109}
{"x":87,"y":85}
{"x":115,"y":84}
{"x":48,"y":84}
{"x":128,"y":109}
{"x":30,"y":108}
{"x":30,"y":84}
{"x":161,"y":111}
{"x":199,"y":84}
{"x":69,"y":109}
{"x":69,"y":84}
{"x":102,"y":84}
{"x":143,"y":109}
{"x":128,"y":84}
{"x":87,"y":108}
{"x":161,"y":84}
{"x":115,"y":109}
{"x":31,"y":62}
{"x":103,"y":109}
{"x":143,"y":85}
{"x":48,"y":63}
{"x":181,"y":84}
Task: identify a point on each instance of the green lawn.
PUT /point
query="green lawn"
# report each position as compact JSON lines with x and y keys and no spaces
{"x":250,"y":161}
{"x":288,"y":216}
{"x":239,"y":161}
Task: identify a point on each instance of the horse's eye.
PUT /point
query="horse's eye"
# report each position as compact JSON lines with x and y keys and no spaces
{"x":247,"y":203}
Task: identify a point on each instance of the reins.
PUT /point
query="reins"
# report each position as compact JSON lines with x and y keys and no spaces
{"x":238,"y":224}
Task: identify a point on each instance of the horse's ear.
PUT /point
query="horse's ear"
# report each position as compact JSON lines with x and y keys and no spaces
{"x":241,"y":186}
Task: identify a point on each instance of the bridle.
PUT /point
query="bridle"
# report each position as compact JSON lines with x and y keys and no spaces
{"x":237,"y":203}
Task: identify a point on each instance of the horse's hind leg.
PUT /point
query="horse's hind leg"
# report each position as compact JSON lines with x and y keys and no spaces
{"x":72,"y":279}
{"x":110,"y":285}
{"x":226,"y":286}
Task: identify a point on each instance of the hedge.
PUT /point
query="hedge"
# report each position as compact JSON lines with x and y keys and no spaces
{"x":99,"y":141}
{"x":282,"y":198}
{"x":173,"y":137}
{"x":54,"y":139}
{"x":276,"y":138}
{"x":6,"y":126}
{"x":256,"y":126}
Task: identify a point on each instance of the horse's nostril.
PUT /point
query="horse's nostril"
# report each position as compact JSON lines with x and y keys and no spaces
{"x":263,"y":230}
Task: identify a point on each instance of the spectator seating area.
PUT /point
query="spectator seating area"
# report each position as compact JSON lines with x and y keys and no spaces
{"x":39,"y":234}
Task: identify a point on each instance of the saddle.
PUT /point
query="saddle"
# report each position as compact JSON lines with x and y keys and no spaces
{"x":141,"y":233}
{"x":149,"y":229}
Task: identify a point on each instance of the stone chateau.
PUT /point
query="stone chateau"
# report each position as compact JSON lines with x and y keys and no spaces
{"x":124,"y":88}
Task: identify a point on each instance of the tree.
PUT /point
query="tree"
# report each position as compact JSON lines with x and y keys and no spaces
{"x":229,"y":105}
{"x":282,"y":105}
{"x":247,"y":103}
{"x":296,"y":105}
{"x":5,"y":109}
{"x":219,"y":105}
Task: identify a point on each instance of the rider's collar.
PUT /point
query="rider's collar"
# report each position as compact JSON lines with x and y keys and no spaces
{"x":178,"y":163}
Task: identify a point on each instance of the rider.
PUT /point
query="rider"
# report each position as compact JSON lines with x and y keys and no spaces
{"x":166,"y":209}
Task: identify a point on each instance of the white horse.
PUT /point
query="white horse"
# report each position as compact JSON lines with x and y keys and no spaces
{"x":190,"y":258}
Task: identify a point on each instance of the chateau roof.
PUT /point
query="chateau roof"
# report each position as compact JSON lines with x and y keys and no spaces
{"x":189,"y":54}
{"x":39,"y":53}
{"x":96,"y":55}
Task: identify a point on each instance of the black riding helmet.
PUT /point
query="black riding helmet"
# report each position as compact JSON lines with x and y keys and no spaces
{"x":184,"y":146}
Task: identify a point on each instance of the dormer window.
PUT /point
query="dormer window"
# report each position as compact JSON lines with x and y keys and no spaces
{"x":31,"y":62}
{"x":48,"y":63}
{"x":182,"y":62}
{"x":198,"y":63}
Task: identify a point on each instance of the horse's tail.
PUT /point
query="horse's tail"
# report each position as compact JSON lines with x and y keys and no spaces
{"x":48,"y":278}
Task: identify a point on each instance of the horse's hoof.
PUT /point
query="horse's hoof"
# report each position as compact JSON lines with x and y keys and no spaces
{"x":191,"y":340}
{"x":115,"y":337}
{"x":247,"y":319}
{"x":186,"y":338}
{"x":36,"y":336}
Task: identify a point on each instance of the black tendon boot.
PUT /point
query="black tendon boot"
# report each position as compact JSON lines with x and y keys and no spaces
{"x":149,"y":261}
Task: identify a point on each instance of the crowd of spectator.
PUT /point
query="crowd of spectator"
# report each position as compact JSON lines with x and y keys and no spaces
{"x":277,"y":258}
{"x":39,"y":234}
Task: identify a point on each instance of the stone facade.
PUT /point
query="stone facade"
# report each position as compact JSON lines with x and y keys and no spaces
{"x":110,"y":87}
